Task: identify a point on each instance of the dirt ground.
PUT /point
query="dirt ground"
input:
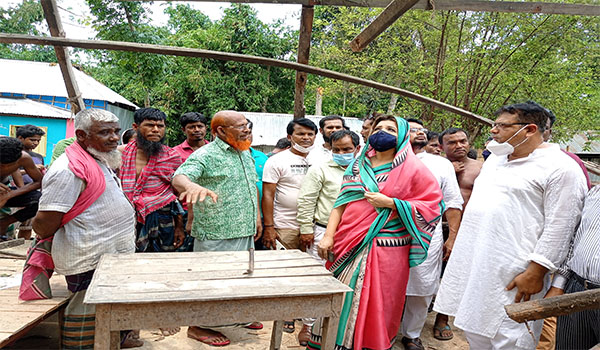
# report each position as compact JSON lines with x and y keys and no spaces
{"x":45,"y":335}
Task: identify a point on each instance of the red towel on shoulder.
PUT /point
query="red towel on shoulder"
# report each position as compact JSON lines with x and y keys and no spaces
{"x":39,"y":265}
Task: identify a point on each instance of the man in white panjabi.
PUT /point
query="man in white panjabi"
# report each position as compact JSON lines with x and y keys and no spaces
{"x":516,"y":229}
{"x":424,"y":279}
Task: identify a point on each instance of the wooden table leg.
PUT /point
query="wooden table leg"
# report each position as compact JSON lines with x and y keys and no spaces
{"x":115,"y":340}
{"x":276,"y":335}
{"x":102,"y":335}
{"x":329,"y":332}
{"x":330,"y":324}
{"x":61,"y":324}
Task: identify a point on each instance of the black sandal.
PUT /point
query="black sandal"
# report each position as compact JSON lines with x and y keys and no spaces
{"x":289,"y":327}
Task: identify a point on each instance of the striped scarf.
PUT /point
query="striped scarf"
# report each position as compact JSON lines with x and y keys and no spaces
{"x":416,"y":194}
{"x":152,"y":190}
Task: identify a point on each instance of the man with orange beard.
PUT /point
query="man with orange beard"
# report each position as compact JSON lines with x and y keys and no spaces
{"x":229,"y":220}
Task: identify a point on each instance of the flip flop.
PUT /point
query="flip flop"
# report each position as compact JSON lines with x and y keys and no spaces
{"x":255,"y":325}
{"x":289,"y":327}
{"x":412,"y":344}
{"x":206,"y":340}
{"x":439,"y":336}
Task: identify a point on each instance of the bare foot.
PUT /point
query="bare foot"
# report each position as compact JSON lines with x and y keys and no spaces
{"x":207,"y":336}
{"x":169,"y":331}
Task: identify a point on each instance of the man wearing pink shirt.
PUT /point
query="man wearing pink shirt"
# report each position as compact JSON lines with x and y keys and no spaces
{"x":193,"y":125}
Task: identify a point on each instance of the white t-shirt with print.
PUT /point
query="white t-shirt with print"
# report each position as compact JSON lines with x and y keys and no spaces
{"x":287,"y":170}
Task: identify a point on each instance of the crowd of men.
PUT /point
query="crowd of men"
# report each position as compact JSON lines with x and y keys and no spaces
{"x":531,"y":228}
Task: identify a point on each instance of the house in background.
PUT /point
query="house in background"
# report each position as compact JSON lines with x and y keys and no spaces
{"x":586,"y":145}
{"x":34,"y":93}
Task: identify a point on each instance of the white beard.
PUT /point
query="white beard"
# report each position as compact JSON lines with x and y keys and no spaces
{"x":111,"y":159}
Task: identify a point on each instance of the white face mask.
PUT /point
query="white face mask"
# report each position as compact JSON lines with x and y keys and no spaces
{"x":505,"y":148}
{"x":303,"y":150}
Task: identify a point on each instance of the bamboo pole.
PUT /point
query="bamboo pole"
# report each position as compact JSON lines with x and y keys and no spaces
{"x":306,"y":24}
{"x":385,"y":19}
{"x":550,"y":8}
{"x":62,"y":55}
{"x":226,"y":56}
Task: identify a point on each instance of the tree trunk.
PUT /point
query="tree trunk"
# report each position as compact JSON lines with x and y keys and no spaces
{"x":319,"y":101}
{"x":392,"y":105}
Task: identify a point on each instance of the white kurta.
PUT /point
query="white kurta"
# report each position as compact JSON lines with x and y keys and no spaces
{"x":520,"y":211}
{"x":424,"y":279}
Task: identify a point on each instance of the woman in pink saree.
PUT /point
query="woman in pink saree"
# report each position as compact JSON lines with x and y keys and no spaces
{"x":380,"y":226}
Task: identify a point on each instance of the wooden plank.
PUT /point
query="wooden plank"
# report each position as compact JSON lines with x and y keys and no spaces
{"x":62,"y":55}
{"x":169,"y":278}
{"x":225,"y":56}
{"x":306,"y":24}
{"x":21,"y":323}
{"x":385,"y":19}
{"x":446,"y":5}
{"x":213,"y":290}
{"x":173,"y":314}
{"x":12,"y":243}
{"x":17,"y":321}
{"x":260,"y":255}
{"x":172,"y":266}
{"x":554,"y":306}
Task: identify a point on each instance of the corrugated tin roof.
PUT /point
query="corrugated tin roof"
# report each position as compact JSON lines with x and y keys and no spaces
{"x":270,"y":127}
{"x":581,"y":143}
{"x":41,"y":78}
{"x":26,"y":107}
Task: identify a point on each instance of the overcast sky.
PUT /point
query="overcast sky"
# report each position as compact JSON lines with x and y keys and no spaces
{"x":74,"y":10}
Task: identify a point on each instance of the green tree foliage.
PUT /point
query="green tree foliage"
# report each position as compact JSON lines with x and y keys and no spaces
{"x":132,"y":74}
{"x":182,"y":84}
{"x":25,"y":18}
{"x":477,"y":61}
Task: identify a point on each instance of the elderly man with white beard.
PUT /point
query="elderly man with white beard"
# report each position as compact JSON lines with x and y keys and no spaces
{"x":84,"y":208}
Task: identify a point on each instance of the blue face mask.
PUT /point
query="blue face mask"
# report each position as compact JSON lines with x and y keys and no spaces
{"x":343,"y":159}
{"x":382,"y":141}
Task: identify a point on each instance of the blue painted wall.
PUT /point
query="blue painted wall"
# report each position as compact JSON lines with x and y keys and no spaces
{"x":57,"y":129}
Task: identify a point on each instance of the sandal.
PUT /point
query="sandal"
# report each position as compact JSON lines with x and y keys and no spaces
{"x":438,"y":335}
{"x":129,"y":341}
{"x":289,"y":327}
{"x":412,"y":344}
{"x":206,"y":339}
{"x":254,"y":325}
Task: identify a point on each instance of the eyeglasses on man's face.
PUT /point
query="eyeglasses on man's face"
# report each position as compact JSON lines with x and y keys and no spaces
{"x":240,"y":127}
{"x":423,"y":130}
{"x":506,"y":125}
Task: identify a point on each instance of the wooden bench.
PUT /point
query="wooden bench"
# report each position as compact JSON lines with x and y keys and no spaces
{"x":18,"y":317}
{"x":151,"y":290}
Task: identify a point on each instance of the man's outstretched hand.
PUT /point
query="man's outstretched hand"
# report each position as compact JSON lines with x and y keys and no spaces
{"x":195,"y":193}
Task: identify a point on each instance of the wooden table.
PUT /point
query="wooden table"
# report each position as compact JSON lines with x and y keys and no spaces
{"x":151,"y":290}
